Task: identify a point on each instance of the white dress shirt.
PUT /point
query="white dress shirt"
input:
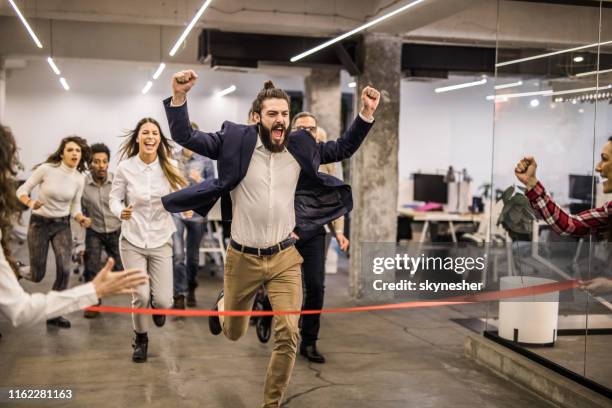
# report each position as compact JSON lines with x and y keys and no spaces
{"x":263,"y":210}
{"x":22,"y":308}
{"x":60,"y":190}
{"x":142,"y":186}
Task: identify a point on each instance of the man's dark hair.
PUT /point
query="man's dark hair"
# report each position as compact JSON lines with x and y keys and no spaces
{"x":100,"y":148}
{"x":303,"y":114}
{"x":269,"y":91}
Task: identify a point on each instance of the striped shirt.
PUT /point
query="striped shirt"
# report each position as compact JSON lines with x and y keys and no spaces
{"x":591,"y":221}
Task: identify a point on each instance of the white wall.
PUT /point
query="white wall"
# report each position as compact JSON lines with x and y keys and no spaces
{"x":105,"y":100}
{"x":456,"y":128}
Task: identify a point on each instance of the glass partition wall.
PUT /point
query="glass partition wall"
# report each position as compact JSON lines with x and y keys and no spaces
{"x":551,"y":104}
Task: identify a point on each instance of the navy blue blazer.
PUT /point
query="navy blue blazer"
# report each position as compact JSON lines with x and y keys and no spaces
{"x":319,"y":197}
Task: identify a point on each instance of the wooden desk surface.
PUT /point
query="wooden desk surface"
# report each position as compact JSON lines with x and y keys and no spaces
{"x":440,"y":216}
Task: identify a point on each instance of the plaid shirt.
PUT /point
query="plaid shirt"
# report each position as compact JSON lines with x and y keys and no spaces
{"x":594,"y":220}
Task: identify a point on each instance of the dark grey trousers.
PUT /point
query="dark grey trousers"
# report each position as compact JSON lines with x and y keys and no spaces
{"x":55,"y":231}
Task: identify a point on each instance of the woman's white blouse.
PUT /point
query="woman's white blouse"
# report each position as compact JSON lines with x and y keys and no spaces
{"x":142,"y":186}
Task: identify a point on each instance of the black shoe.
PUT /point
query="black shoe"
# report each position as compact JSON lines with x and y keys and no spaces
{"x":90,"y":314}
{"x":214,"y":324}
{"x":140,"y":346}
{"x":159,"y":320}
{"x":311,"y":353}
{"x":59,"y":322}
{"x":191,"y":300}
{"x":179,"y":302}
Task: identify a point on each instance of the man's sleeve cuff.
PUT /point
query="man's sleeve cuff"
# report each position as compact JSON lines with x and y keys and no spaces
{"x":537,"y":191}
{"x":168,"y":102}
{"x":366,"y":119}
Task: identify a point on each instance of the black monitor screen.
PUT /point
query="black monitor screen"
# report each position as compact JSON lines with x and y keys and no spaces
{"x":581,"y":187}
{"x":430,"y":188}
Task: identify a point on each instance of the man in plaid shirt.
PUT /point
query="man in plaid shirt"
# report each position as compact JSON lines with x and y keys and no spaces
{"x":595,"y":220}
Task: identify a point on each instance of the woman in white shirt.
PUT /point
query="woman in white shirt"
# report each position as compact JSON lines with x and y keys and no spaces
{"x":20,"y":307}
{"x":60,"y":183}
{"x":140,"y":182}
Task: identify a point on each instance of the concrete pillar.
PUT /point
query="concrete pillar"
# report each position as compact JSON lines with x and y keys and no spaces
{"x":374,"y":169}
{"x":323,"y":98}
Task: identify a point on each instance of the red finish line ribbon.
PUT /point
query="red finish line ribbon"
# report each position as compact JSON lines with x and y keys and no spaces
{"x":474,"y":298}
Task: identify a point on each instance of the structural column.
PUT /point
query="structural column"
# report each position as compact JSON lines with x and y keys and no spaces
{"x":323,"y":98}
{"x":374,"y":169}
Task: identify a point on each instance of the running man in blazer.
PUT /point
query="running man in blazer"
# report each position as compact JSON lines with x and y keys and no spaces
{"x":271,"y":190}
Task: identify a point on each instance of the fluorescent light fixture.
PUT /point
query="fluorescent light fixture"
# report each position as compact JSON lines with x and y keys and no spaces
{"x":53,"y":66}
{"x":583,"y":74}
{"x":64,"y":83}
{"x":548,"y":92}
{"x":25,"y":23}
{"x":355,"y":30}
{"x":579,"y":58}
{"x":147,"y":86}
{"x":460,"y":86}
{"x":189,"y":27}
{"x":226,"y":91}
{"x":352,"y":84}
{"x":160,"y":69}
{"x":550,"y":54}
{"x":534,"y":103}
{"x":509,"y":85}
{"x":519,"y":95}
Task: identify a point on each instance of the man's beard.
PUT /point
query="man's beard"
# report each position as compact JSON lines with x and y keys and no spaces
{"x":100,"y":176}
{"x":266,"y":138}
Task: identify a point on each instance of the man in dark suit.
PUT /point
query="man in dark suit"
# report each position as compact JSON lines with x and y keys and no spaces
{"x":271,"y":189}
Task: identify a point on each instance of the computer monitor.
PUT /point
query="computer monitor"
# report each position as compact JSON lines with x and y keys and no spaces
{"x":582,"y":187}
{"x":430,"y":188}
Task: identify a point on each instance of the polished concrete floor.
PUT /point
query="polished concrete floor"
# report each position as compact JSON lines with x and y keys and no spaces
{"x":379,"y":359}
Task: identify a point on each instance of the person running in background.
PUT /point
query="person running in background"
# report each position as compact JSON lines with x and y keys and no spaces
{"x":60,"y":181}
{"x":313,"y":248}
{"x":105,"y":229}
{"x":189,"y":230}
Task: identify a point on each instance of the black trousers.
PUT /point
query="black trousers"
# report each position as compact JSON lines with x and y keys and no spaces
{"x":94,"y":243}
{"x":313,"y":273}
{"x":55,"y":231}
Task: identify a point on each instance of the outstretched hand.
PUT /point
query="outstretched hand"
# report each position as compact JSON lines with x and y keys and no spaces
{"x":370,"y":98}
{"x":109,"y":283}
{"x":182,"y":82}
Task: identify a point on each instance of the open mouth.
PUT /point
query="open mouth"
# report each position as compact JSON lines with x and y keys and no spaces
{"x":149,"y":145}
{"x":277,"y":132}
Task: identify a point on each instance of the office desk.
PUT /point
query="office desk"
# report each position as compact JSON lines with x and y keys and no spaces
{"x":439,"y":216}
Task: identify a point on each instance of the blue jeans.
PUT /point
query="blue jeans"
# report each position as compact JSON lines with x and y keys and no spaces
{"x":186,"y":252}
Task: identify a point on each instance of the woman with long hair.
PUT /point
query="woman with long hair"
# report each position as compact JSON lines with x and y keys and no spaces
{"x":145,"y":174}
{"x":18,"y":306}
{"x":60,"y":183}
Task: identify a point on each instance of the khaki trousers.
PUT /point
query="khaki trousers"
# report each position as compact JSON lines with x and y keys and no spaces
{"x":282,"y":277}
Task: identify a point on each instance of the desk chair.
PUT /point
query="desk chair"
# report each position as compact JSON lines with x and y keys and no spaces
{"x":214,"y":234}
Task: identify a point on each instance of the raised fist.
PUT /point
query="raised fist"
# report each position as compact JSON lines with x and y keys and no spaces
{"x":525,"y":171}
{"x":182,"y":82}
{"x":370,"y":98}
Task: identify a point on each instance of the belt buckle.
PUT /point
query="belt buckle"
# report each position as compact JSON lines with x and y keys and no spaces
{"x":258,"y":251}
{"x":280,"y":247}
